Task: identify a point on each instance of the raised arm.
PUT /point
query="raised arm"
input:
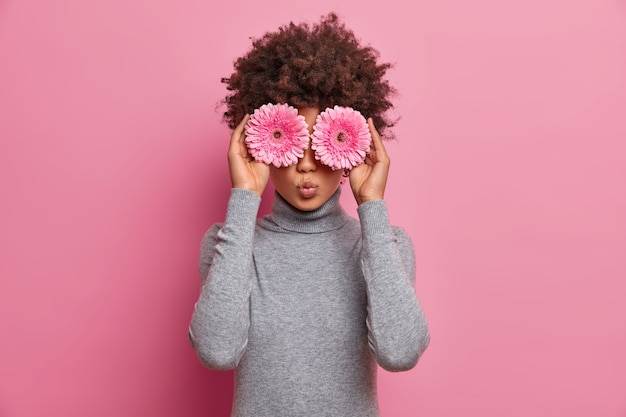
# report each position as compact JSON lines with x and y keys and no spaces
{"x":398,"y":331}
{"x":221,"y":318}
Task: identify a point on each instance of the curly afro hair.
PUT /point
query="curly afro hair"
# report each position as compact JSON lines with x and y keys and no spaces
{"x":320,"y":65}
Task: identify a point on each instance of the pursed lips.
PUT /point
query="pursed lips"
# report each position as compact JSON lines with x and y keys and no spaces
{"x":307,"y":189}
{"x":307,"y":184}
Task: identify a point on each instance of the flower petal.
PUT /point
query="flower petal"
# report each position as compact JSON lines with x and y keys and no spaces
{"x":341,"y":138}
{"x":275,"y":133}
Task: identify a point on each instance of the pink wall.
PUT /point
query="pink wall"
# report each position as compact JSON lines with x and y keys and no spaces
{"x":508,"y":173}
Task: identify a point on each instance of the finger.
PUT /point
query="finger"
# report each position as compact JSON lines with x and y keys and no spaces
{"x":237,"y":146}
{"x":378,"y":147}
{"x":238,"y":133}
{"x":243,"y":122}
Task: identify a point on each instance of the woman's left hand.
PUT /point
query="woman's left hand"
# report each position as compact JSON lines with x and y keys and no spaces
{"x":369,"y":179}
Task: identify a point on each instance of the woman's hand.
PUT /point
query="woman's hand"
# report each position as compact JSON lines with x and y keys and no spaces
{"x":369,"y":179}
{"x":245,"y":172}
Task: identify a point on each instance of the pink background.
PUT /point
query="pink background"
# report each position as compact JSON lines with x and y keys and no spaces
{"x":508,"y":173}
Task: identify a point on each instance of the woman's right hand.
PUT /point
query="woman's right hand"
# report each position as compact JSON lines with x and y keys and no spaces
{"x":245,"y":172}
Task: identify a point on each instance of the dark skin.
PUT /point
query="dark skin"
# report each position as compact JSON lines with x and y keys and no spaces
{"x":367,"y":180}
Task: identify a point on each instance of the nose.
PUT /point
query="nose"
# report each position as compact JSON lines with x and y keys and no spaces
{"x":307,"y":163}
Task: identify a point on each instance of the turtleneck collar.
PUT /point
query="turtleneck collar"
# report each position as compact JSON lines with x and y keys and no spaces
{"x":330,"y":216}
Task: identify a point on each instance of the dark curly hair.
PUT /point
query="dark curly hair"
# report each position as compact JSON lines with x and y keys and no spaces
{"x":320,"y":65}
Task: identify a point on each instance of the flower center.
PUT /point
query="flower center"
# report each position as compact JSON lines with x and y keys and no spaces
{"x":341,"y":137}
{"x":277,"y":134}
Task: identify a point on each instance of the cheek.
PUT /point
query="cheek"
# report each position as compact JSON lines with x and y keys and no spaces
{"x":334,"y":177}
{"x":279,"y":175}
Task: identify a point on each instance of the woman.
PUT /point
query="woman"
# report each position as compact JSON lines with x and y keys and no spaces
{"x":305,"y":302}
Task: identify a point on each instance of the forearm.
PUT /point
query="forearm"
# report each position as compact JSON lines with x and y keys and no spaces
{"x":220,"y":321}
{"x":398,"y":332}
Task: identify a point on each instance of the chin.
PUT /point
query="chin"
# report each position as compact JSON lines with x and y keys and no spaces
{"x":309,"y":204}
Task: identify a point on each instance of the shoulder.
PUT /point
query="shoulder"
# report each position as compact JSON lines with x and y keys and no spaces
{"x":266,"y":222}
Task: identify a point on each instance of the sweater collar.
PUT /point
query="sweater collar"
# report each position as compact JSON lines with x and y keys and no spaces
{"x":330,"y":216}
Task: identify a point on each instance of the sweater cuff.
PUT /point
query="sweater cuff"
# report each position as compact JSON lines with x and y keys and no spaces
{"x":243,"y":207}
{"x":374,"y":218}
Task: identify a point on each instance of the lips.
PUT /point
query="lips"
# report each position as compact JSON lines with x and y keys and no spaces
{"x":307,"y":189}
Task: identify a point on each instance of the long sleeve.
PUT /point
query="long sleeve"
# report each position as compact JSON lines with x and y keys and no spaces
{"x":221,"y":317}
{"x":397,"y":325}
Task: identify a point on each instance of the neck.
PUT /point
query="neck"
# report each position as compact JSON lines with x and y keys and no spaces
{"x":329,"y":216}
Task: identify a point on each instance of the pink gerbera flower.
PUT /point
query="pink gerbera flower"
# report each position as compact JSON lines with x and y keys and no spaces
{"x":276,"y":134}
{"x":341,"y":138}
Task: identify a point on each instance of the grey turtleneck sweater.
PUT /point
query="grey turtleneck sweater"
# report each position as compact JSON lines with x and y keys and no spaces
{"x":305,"y":304}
